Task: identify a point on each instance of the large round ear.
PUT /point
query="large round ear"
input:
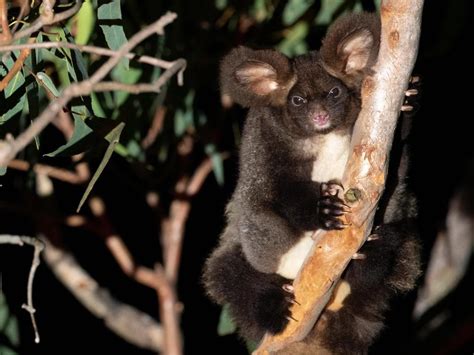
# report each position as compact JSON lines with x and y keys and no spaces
{"x":351,"y":46}
{"x":256,"y":77}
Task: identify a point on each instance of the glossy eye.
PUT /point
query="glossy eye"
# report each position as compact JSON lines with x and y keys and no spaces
{"x":297,"y":100}
{"x":334,"y":92}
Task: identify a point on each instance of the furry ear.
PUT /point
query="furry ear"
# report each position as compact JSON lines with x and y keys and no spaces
{"x":351,"y":46}
{"x":256,"y":77}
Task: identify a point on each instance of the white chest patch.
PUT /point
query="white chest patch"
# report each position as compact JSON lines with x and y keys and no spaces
{"x":329,"y":164}
{"x":332,"y":158}
{"x":292,"y":260}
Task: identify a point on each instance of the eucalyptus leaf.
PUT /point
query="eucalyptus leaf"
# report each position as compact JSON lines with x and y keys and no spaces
{"x":183,"y":120}
{"x":8,"y":324}
{"x":32,"y":87}
{"x":216,"y":161}
{"x":85,"y":22}
{"x":13,"y":106}
{"x":79,"y":141}
{"x":259,"y":10}
{"x":294,"y":42}
{"x":3,"y":171}
{"x":96,"y":106}
{"x":126,"y":76}
{"x":32,"y":109}
{"x":45,"y":81}
{"x":221,"y":4}
{"x":294,"y":9}
{"x":6,"y":350}
{"x":328,"y":9}
{"x":113,"y":139}
{"x":15,"y":83}
{"x":110,"y":11}
{"x":226,"y":325}
{"x":114,"y":34}
{"x":61,"y":64}
{"x":134,"y":149}
{"x":77,"y":65}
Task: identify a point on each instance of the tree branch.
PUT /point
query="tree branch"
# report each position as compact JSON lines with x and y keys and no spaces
{"x":168,"y":313}
{"x":89,"y":49}
{"x":8,"y":149}
{"x":15,"y":68}
{"x":155,"y":127}
{"x":38,"y":248}
{"x":78,"y":177}
{"x":365,"y":174}
{"x":127,"y":322}
{"x":5,"y":34}
{"x":47,"y":17}
{"x":156,"y":279}
{"x":178,"y":66}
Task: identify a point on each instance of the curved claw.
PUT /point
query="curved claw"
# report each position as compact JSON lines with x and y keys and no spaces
{"x":335,"y":224}
{"x":411,"y":92}
{"x":295,"y":302}
{"x":407,"y":108}
{"x":328,"y":202}
{"x":358,"y":256}
{"x":373,"y":237}
{"x":288,"y":288}
{"x":414,"y":79}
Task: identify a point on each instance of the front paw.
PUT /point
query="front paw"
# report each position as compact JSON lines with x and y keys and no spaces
{"x":273,"y":310}
{"x":331,"y":206}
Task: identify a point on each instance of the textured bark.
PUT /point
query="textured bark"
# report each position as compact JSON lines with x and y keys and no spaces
{"x":382,"y":98}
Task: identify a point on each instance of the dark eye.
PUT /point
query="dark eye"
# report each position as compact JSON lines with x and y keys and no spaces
{"x":297,"y":100}
{"x":334,"y":92}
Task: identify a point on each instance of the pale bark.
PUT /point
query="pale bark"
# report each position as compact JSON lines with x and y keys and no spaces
{"x":382,"y":98}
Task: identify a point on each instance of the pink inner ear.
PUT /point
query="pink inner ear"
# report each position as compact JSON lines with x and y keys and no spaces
{"x":259,"y":76}
{"x":356,"y":49}
{"x":264,"y":87}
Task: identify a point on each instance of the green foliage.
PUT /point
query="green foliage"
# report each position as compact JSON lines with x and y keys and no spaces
{"x":114,"y":34}
{"x":8,"y":328}
{"x":85,"y":22}
{"x":226,"y":325}
{"x":80,"y":134}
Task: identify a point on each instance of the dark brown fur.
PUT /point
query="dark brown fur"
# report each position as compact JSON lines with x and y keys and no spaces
{"x":294,"y":107}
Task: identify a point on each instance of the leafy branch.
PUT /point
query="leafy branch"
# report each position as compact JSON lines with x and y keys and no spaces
{"x":10,"y":147}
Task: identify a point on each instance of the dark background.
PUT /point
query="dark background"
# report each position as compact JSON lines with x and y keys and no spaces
{"x":442,"y":154}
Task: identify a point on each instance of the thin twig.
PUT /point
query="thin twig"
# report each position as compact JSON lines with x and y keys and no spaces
{"x":46,"y":19}
{"x":5,"y":34}
{"x":8,"y":149}
{"x":89,"y":49}
{"x":38,"y":248}
{"x":77,"y":178}
{"x":24,"y":11}
{"x":16,"y":67}
{"x":155,"y":128}
{"x":173,"y":227}
{"x":178,"y":65}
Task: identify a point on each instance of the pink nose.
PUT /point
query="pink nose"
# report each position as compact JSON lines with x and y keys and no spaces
{"x":321,"y":118}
